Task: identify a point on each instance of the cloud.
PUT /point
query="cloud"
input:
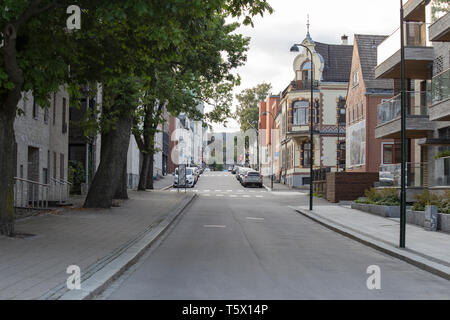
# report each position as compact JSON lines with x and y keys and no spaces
{"x":269,"y":58}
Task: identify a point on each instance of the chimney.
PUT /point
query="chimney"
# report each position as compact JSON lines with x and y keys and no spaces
{"x":344,"y":39}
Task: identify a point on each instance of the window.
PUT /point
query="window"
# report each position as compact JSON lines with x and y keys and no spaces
{"x":35,"y":109}
{"x":306,"y":154}
{"x":316,"y":111}
{"x":306,"y":71}
{"x":45,"y":115}
{"x":388,"y":153}
{"x":54,"y":165}
{"x":300,"y":112}
{"x":64,"y":123}
{"x":61,"y":167}
{"x":355,"y":78}
{"x":54,"y":108}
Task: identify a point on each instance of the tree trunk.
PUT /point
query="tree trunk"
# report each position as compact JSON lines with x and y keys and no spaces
{"x":150,"y":172}
{"x":113,"y":158}
{"x":8,"y":109}
{"x":7,"y":156}
{"x":122,"y":190}
{"x":144,"y":172}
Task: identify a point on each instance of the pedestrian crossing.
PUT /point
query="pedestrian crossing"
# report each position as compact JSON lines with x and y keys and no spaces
{"x":228,"y":193}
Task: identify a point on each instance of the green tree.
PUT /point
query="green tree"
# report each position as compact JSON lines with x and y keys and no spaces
{"x":118,"y":46}
{"x":247,"y":112}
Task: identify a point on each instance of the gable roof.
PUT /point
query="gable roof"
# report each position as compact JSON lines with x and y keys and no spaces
{"x":367,"y":48}
{"x":337,"y":59}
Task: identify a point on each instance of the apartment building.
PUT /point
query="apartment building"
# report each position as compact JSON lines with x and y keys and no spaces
{"x":186,"y":140}
{"x":426,"y":94}
{"x":365,"y":153}
{"x":269,"y":137}
{"x":42,"y":137}
{"x":330,"y":71}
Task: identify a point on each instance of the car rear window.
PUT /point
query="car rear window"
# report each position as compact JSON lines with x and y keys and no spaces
{"x":253,"y":173}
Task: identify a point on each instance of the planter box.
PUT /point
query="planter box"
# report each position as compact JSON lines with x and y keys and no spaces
{"x":415,"y":217}
{"x":383,"y":211}
{"x":418,"y":218}
{"x":444,"y":222}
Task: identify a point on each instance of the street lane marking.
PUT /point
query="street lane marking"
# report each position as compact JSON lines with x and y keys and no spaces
{"x":219,"y":195}
{"x":207,"y":195}
{"x":233,"y":196}
{"x":259,"y":196}
{"x":218,"y":190}
{"x":246,"y":196}
{"x":214,"y":226}
{"x":253,"y":218}
{"x":206,"y":190}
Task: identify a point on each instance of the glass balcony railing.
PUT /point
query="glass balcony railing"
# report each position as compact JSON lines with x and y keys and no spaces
{"x":442,"y":172}
{"x":415,"y":36}
{"x":390,"y":174}
{"x":417,"y":103}
{"x":440,"y":87}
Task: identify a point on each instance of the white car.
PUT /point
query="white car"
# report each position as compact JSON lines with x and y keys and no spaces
{"x":190,"y":178}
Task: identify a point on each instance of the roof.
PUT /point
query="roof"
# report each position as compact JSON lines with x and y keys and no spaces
{"x":367,"y":48}
{"x":337,"y":59}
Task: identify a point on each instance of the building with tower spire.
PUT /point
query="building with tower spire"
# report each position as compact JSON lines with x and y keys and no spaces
{"x":330,"y":70}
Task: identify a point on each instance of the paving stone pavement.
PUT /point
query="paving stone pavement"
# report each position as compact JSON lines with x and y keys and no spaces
{"x":434,"y":245}
{"x":33,"y":265}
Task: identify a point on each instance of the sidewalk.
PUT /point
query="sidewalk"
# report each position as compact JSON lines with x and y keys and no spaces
{"x":425,"y":249}
{"x":36,"y":263}
{"x":281,"y":187}
{"x":163,"y":183}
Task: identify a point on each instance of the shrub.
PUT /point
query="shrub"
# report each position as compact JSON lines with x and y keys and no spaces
{"x":77,"y":176}
{"x":427,"y":198}
{"x":384,"y":196}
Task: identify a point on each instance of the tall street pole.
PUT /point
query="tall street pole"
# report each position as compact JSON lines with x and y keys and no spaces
{"x":403,"y":137}
{"x":295,"y":48}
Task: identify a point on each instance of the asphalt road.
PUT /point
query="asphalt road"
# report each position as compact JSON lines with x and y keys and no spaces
{"x":238,"y":243}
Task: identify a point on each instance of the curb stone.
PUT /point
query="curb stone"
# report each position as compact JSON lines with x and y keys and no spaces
{"x":102,"y":273}
{"x":402,"y":254}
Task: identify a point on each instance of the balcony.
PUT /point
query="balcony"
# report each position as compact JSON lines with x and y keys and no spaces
{"x":304,"y":85}
{"x":418,"y":56}
{"x":417,"y":123}
{"x":440,"y":29}
{"x":414,"y":10}
{"x":440,"y":95}
{"x":416,"y":175}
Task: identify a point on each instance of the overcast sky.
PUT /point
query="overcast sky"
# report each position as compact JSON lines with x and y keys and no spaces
{"x":269,"y":58}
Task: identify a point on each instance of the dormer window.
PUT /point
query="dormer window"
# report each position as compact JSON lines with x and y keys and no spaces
{"x":306,"y":71}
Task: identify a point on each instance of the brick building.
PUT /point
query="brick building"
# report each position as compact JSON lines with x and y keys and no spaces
{"x":365,"y":153}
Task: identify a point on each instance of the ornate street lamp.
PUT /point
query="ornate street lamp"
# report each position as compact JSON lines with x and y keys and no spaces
{"x":295,"y":48}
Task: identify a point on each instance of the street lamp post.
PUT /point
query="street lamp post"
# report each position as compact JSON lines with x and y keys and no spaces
{"x":295,"y":48}
{"x":403,"y":136}
{"x":271,"y":145}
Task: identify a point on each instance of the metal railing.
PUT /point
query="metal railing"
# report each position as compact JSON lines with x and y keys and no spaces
{"x":417,"y":103}
{"x":440,"y":87}
{"x":60,"y":190}
{"x":30,"y":194}
{"x":416,"y":174}
{"x":415,"y":36}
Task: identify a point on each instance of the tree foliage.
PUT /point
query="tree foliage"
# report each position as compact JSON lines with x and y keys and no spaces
{"x":247,"y":112}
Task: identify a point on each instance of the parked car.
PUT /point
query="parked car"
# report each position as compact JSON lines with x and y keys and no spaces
{"x":242,"y":172}
{"x":190,"y":179}
{"x":233,"y":171}
{"x":196,"y":173}
{"x":252,"y":177}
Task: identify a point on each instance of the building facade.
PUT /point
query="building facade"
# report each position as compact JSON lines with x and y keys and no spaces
{"x":42,"y":139}
{"x":426,"y":80}
{"x":330,"y":70}
{"x":365,"y":153}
